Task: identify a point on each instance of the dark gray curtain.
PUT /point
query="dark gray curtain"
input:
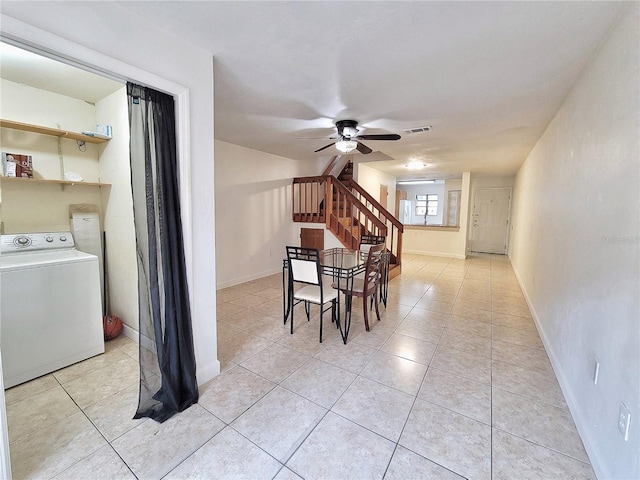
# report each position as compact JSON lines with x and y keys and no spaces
{"x":167,"y":360}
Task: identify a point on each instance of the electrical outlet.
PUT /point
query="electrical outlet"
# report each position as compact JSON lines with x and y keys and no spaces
{"x":624,"y":420}
{"x":596,"y":371}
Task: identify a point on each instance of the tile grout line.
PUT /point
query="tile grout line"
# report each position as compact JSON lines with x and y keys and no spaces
{"x":491,"y":352}
{"x":415,"y":399}
{"x":98,"y":430}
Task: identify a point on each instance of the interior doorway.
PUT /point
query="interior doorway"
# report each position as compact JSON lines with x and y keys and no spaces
{"x":489,"y":230}
{"x":77,"y":55}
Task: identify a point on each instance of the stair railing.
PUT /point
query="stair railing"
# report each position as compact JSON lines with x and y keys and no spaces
{"x":347,"y":216}
{"x":308,"y":199}
{"x":395,"y":228}
{"x":347,"y":211}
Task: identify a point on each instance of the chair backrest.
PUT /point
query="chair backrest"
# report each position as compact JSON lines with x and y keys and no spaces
{"x":372,"y":239}
{"x":373,"y":269}
{"x":366,"y":241}
{"x":304,"y":265}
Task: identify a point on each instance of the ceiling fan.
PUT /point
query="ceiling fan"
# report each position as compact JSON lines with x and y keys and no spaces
{"x":348,"y":138}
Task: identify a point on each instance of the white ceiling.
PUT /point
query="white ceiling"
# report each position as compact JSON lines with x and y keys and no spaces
{"x":487,"y":76}
{"x":27,"y":68}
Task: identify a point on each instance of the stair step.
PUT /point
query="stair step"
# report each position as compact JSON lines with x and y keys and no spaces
{"x":394,"y":271}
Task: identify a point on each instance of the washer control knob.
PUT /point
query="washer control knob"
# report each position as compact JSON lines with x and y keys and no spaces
{"x":63,"y":238}
{"x":49,"y":239}
{"x":22,"y":241}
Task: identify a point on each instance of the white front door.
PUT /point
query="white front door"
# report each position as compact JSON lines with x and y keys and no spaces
{"x":490,"y":220}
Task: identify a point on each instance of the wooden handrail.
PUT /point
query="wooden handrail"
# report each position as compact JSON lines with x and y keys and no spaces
{"x":348,"y":215}
{"x":333,"y":181}
{"x":394,"y":226}
{"x":386,"y":213}
{"x":334,"y":161}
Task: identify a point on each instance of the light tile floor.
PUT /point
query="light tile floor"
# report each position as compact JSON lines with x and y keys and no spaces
{"x":453,"y":383}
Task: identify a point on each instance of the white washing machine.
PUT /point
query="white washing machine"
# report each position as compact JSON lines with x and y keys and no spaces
{"x":50,"y":315}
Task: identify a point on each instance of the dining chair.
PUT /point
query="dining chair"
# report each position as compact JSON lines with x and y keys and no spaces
{"x":305,"y":270}
{"x":365,"y":243}
{"x":368,"y":286}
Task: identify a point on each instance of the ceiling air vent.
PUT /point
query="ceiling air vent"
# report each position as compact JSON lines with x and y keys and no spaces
{"x":415,"y":131}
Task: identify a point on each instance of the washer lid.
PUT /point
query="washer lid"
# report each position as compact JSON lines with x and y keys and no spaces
{"x":43,"y":258}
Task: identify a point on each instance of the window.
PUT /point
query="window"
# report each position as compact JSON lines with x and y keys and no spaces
{"x":427,"y":204}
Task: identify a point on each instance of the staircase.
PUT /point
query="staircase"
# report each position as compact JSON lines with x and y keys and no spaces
{"x":347,"y":210}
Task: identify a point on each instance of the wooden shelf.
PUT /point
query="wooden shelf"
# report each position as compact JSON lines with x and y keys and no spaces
{"x":51,"y":182}
{"x":26,"y":127}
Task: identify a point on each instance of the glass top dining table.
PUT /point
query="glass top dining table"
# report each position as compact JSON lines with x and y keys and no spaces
{"x":342,"y":264}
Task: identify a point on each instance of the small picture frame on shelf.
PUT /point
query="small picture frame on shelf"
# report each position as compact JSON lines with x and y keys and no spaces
{"x":17,"y":165}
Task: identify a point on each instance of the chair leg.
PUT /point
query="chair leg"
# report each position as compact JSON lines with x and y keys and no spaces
{"x":293,"y":307}
{"x":307,"y":309}
{"x":377,"y":302}
{"x":333,"y":311}
{"x":348,"y":303}
{"x":321,"y":318}
{"x":366,"y":312}
{"x":384,"y":284}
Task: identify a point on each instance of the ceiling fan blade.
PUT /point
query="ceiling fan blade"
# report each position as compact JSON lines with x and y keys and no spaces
{"x":317,"y":138}
{"x":382,"y":136}
{"x":326,"y":146}
{"x":362,"y":148}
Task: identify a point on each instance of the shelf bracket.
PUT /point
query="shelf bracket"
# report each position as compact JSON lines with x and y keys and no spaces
{"x":61,"y":160}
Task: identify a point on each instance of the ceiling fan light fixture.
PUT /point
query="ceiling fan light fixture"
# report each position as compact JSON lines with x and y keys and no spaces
{"x":349,"y":131}
{"x":346,"y":146}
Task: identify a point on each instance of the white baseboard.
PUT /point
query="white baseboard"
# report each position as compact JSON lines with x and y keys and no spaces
{"x":204,"y":374}
{"x":247,"y":278}
{"x":435,"y":254}
{"x":131,"y":333}
{"x":134,"y":335}
{"x":597,"y":463}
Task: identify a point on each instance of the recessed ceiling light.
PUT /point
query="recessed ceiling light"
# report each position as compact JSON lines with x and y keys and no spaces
{"x":415,"y":165}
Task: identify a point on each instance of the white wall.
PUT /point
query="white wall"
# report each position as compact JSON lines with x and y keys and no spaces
{"x":121,"y":259}
{"x":45,"y":207}
{"x":109,"y":37}
{"x":576,"y":247}
{"x":26,"y":104}
{"x":253,"y":211}
{"x":370,"y":179}
{"x":438,"y":242}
